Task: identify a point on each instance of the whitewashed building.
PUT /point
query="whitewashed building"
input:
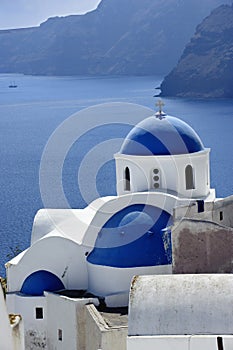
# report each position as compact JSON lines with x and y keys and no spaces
{"x":161,"y":165}
{"x":182,"y":312}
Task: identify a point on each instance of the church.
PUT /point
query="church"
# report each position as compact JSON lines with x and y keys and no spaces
{"x":88,"y":256}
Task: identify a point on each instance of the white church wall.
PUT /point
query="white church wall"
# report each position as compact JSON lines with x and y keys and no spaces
{"x":62,"y":263}
{"x":171,"y":173}
{"x":158,"y":199}
{"x":200,"y":163}
{"x":45,"y":221}
{"x":70,"y":223}
{"x":140,"y":173}
{"x":119,"y":280}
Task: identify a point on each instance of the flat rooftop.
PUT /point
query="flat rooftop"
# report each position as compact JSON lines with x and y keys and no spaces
{"x":115,"y":317}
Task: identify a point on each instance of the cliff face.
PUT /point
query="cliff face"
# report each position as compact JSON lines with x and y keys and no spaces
{"x":206,"y":67}
{"x":120,"y":37}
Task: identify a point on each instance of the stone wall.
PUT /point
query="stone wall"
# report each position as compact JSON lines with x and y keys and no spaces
{"x":202,"y":247}
{"x":102,"y":334}
{"x":202,"y":237}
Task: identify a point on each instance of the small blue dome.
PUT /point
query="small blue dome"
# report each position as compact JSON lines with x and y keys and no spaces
{"x":161,"y":135}
{"x":137,"y":218}
{"x":133,"y":237}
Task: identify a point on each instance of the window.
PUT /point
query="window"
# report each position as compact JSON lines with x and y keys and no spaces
{"x":60,"y":334}
{"x":221,"y":215}
{"x":189,"y":178}
{"x":127,"y":179}
{"x":39,"y":313}
{"x":200,"y":206}
{"x":155,"y":178}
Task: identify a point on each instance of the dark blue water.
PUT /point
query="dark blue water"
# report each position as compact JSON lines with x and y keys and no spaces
{"x":29,"y":115}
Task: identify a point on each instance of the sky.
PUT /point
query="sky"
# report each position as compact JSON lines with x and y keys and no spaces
{"x":28,"y":13}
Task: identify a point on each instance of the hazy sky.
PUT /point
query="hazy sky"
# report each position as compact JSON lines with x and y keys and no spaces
{"x":26,"y":13}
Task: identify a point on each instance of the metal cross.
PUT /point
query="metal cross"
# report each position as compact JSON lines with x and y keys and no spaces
{"x":160,"y":114}
{"x":160,"y":104}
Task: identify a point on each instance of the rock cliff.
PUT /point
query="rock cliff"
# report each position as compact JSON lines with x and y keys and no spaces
{"x":132,"y":37}
{"x":205,"y":68}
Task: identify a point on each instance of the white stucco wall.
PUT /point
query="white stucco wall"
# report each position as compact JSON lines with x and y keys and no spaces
{"x":63,"y":257}
{"x":70,"y":223}
{"x":178,"y":342}
{"x":59,"y":312}
{"x":158,"y":199}
{"x":181,"y":304}
{"x":34,"y":329}
{"x":68,"y":316}
{"x":171,"y":173}
{"x":118,"y":280}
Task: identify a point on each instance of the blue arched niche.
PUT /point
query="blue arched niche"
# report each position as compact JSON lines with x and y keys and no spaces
{"x":40,"y":281}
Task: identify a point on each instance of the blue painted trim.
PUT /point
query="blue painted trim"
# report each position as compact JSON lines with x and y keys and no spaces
{"x":137,"y":242}
{"x":40,"y":281}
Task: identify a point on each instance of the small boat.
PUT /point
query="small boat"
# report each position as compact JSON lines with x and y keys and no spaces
{"x":13,"y":85}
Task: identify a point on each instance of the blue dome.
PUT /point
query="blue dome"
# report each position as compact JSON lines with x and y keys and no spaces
{"x":133,"y":237}
{"x":161,"y":135}
{"x":137,"y":218}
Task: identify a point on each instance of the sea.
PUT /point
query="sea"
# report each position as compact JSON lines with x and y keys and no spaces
{"x":58,"y":136}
